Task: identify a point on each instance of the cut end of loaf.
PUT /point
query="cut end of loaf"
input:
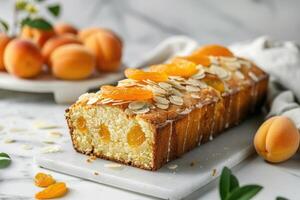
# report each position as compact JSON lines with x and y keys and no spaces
{"x":107,"y":132}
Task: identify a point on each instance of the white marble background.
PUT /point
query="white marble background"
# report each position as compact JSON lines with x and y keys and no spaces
{"x":142,"y":24}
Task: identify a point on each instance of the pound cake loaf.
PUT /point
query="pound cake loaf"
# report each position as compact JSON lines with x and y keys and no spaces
{"x":158,"y":114}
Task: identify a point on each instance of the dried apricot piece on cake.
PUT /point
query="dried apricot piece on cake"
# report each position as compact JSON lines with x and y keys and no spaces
{"x":53,"y":191}
{"x":213,"y":50}
{"x":43,"y":180}
{"x":140,"y":75}
{"x":125,"y":93}
{"x":197,"y":59}
{"x":177,"y":67}
{"x":136,"y":136}
{"x":213,"y":81}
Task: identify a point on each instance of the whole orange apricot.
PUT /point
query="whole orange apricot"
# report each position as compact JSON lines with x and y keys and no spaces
{"x":107,"y":49}
{"x":4,"y":40}
{"x":38,"y":36}
{"x":277,"y":139}
{"x":23,"y":58}
{"x":56,"y":42}
{"x":87,"y":32}
{"x":63,"y":28}
{"x":72,"y":62}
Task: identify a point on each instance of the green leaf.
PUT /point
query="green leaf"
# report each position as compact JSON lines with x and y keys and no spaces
{"x":234,"y":183}
{"x":4,"y":160}
{"x":54,"y":9}
{"x":281,"y":198}
{"x":224,"y":185}
{"x":4,"y":25}
{"x":38,"y":23}
{"x":244,"y":193}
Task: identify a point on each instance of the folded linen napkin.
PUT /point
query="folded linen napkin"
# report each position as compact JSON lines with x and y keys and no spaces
{"x":282,"y":61}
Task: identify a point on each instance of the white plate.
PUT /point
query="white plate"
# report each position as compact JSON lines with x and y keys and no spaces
{"x":228,"y":149}
{"x":69,"y":91}
{"x":64,"y":91}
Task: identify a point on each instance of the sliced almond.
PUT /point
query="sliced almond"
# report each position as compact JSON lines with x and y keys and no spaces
{"x":106,"y":101}
{"x":176,"y":84}
{"x":239,"y":75}
{"x":245,"y":63}
{"x":214,"y":60}
{"x":195,"y":96}
{"x":176,"y":92}
{"x":136,"y":105}
{"x":44,"y":125}
{"x":161,"y":100}
{"x":92,"y":100}
{"x":51,"y":149}
{"x":141,"y":111}
{"x":173,"y":166}
{"x":176,"y":100}
{"x":228,"y":59}
{"x":8,"y":141}
{"x":165,"y":86}
{"x":162,"y":106}
{"x":219,"y":71}
{"x":191,"y":88}
{"x":127,"y":82}
{"x":113,"y":165}
{"x":253,"y":76}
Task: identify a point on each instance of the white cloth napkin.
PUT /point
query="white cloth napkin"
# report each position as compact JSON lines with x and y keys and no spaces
{"x":282,"y":61}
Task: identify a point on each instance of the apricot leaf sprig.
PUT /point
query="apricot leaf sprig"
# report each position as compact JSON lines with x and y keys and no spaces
{"x":4,"y":160}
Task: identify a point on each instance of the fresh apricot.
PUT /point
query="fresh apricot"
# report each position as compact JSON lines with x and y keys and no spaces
{"x":107,"y":49}
{"x":277,"y":139}
{"x":213,"y":50}
{"x":38,"y":36}
{"x":124,"y":93}
{"x":140,"y":75}
{"x":43,"y":180}
{"x":72,"y":62}
{"x":87,"y":32}
{"x":53,"y":191}
{"x":63,"y":28}
{"x":178,"y":67}
{"x":56,"y":42}
{"x":23,"y":58}
{"x":197,"y":59}
{"x":4,"y":40}
{"x":135,"y":137}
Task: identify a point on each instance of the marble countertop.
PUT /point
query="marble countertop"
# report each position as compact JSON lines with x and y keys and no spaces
{"x":30,"y":123}
{"x":142,"y":25}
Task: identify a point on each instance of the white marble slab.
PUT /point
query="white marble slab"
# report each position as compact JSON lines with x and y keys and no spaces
{"x":228,"y":149}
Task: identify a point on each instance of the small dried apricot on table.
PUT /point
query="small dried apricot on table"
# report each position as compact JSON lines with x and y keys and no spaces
{"x":178,"y":67}
{"x":43,"y":180}
{"x":213,"y":50}
{"x":140,"y":75}
{"x":53,"y":191}
{"x":213,"y":81}
{"x":198,"y":59}
{"x":124,"y":93}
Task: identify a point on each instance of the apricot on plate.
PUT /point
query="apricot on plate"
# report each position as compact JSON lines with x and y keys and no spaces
{"x":23,"y":58}
{"x":38,"y":36}
{"x":107,"y":49}
{"x":72,"y":62}
{"x":63,"y":28}
{"x":277,"y":139}
{"x":87,"y":32}
{"x":4,"y":40}
{"x":56,"y":42}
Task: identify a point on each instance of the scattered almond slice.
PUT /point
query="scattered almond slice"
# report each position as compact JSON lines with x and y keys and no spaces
{"x":173,"y":166}
{"x":44,"y":125}
{"x":56,"y":134}
{"x":26,"y":147}
{"x":113,"y":166}
{"x":14,"y":130}
{"x":8,"y":141}
{"x":51,"y":149}
{"x":48,"y":142}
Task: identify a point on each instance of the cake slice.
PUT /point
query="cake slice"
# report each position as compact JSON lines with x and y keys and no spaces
{"x":156,"y":116}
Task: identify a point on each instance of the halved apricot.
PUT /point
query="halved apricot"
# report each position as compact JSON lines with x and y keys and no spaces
{"x":124,"y":93}
{"x":104,"y":133}
{"x":140,"y":75}
{"x":213,"y":81}
{"x":213,"y":50}
{"x":177,"y":67}
{"x":136,"y":136}
{"x":197,"y":59}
